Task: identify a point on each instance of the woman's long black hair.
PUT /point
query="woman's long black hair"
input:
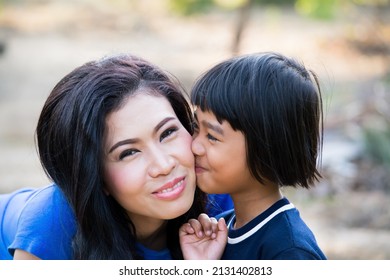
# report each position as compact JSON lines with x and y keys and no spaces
{"x":70,"y":135}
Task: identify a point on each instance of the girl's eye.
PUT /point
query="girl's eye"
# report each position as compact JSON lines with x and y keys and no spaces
{"x":127,"y":153}
{"x":167,"y":133}
{"x":211,"y":138}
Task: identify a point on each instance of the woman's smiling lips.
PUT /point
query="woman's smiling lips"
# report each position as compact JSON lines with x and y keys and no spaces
{"x":172,"y":189}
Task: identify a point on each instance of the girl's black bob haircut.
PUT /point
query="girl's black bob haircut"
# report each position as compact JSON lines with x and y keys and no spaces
{"x":276,"y":103}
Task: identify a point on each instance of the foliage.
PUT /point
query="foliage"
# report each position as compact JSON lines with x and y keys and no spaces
{"x":315,"y":8}
{"x":323,"y":9}
{"x":230,"y":4}
{"x":276,"y":2}
{"x":377,"y":145}
{"x":377,"y":131}
{"x":188,"y":7}
{"x":371,"y":2}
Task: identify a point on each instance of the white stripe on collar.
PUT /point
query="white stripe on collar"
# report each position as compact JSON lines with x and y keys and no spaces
{"x":260,"y":225}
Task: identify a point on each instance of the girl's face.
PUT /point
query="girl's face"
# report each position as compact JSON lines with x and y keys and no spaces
{"x":149,"y":165}
{"x":220,"y":156}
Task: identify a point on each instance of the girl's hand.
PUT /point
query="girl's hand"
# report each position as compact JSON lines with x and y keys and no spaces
{"x":203,"y":238}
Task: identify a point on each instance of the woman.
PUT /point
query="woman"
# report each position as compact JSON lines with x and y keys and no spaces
{"x":115,"y":137}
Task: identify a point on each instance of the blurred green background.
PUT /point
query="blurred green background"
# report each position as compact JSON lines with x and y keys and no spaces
{"x":346,"y":42}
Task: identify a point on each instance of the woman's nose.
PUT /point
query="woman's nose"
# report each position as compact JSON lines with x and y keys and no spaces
{"x":162,"y":163}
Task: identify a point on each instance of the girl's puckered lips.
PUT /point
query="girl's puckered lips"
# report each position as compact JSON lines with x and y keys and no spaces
{"x":199,"y":169}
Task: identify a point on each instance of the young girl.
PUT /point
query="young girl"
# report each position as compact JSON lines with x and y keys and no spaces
{"x":258,"y":129}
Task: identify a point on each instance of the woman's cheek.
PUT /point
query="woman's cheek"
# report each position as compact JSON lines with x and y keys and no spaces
{"x":186,"y":151}
{"x":120,"y":178}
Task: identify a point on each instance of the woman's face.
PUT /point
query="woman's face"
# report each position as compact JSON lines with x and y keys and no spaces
{"x":149,"y":165}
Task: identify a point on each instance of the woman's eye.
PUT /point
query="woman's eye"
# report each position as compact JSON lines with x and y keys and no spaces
{"x":127,"y":153}
{"x":167,"y":133}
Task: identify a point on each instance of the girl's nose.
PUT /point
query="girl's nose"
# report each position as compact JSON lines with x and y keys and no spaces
{"x":197,"y":147}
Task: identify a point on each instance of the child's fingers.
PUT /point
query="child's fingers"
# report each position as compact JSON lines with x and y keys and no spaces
{"x":197,"y":227}
{"x":186,"y":229}
{"x":204,"y":220}
{"x":203,"y":226}
{"x":209,"y":225}
{"x":222,"y":231}
{"x":214,"y":227}
{"x":222,"y":225}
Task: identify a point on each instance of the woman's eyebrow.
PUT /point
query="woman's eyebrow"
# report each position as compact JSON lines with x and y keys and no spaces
{"x":135,"y":140}
{"x":162,"y":123}
{"x":123,"y":142}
